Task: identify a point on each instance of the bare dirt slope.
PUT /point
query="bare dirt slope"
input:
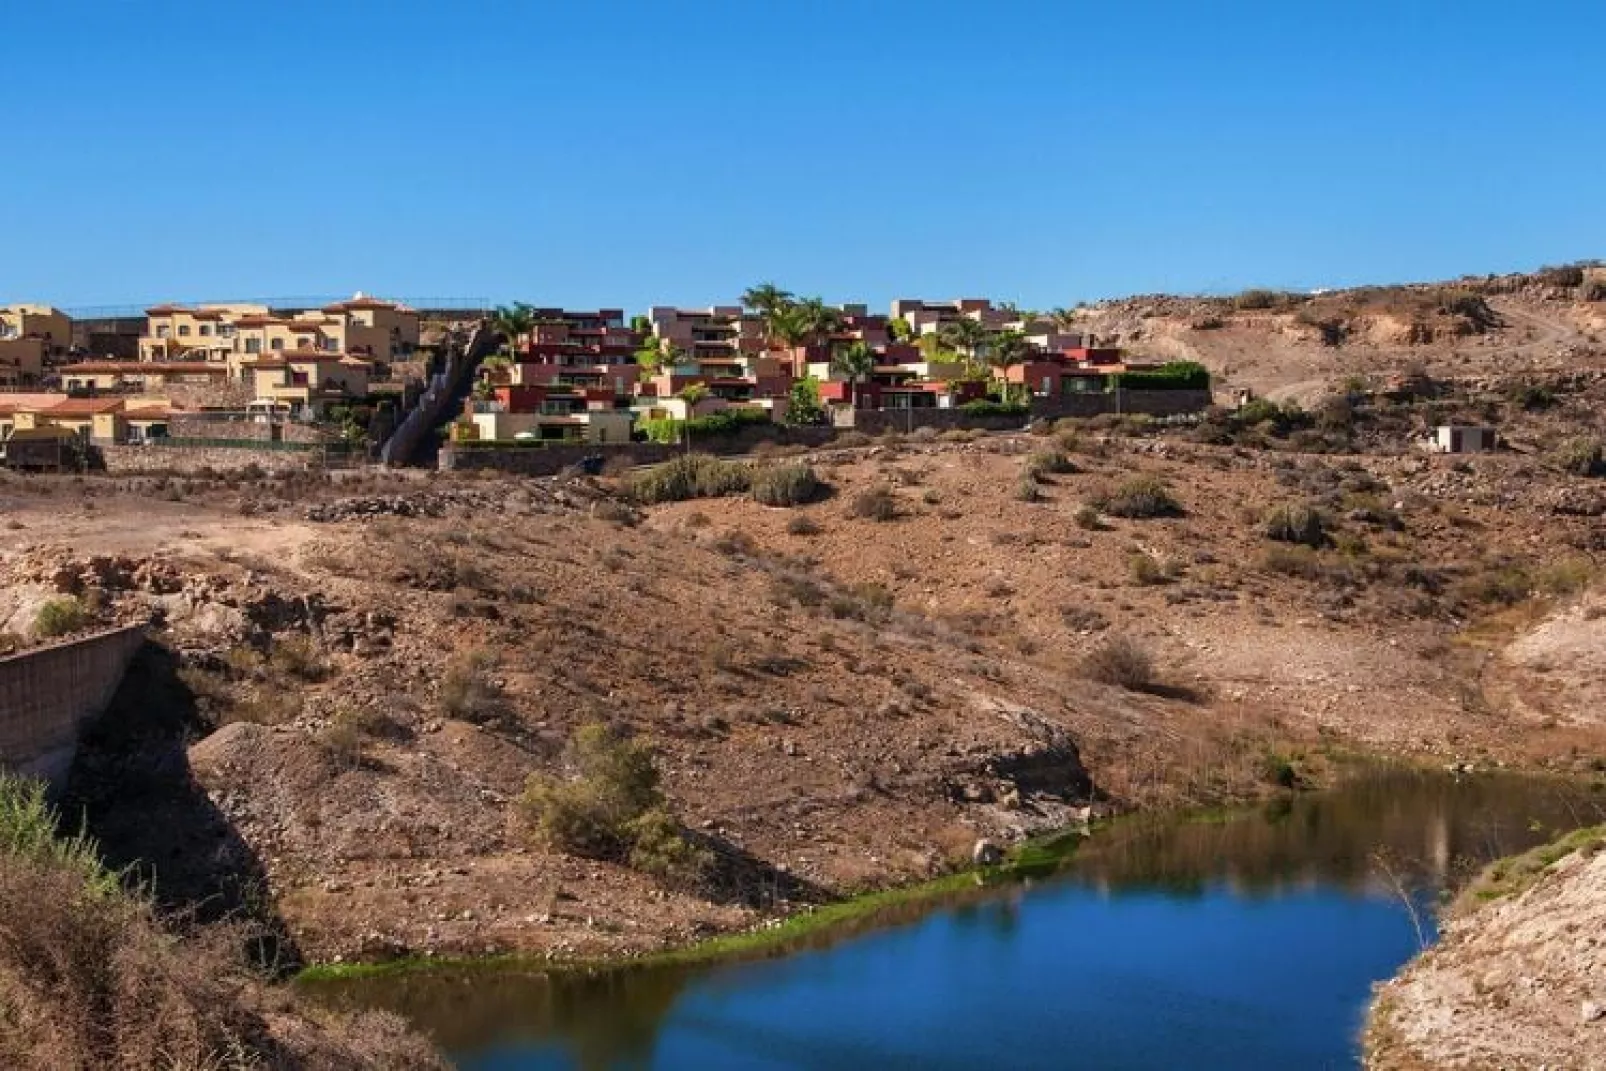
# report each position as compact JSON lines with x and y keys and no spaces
{"x":1520,"y":982}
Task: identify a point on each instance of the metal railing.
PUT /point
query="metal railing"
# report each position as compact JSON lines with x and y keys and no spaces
{"x":475,"y":305}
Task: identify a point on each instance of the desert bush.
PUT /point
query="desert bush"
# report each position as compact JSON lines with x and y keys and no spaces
{"x":1255,"y":299}
{"x":1581,"y":457}
{"x":784,"y":485}
{"x":1027,"y":489}
{"x":852,"y":438}
{"x":862,"y":602}
{"x":957,"y":435}
{"x":58,"y":617}
{"x":1499,"y":584}
{"x":615,"y":513}
{"x":876,"y":504}
{"x":467,"y":689}
{"x":1146,"y":570}
{"x":923,"y":434}
{"x":1297,"y":560}
{"x":1048,"y":462}
{"x":803,"y":525}
{"x":660,"y":847}
{"x":298,"y":656}
{"x":92,"y":979}
{"x":1565,"y":576}
{"x":1295,"y":522}
{"x":1088,"y":517}
{"x":612,"y":808}
{"x":689,"y":476}
{"x":1122,"y":662}
{"x":1138,"y":497}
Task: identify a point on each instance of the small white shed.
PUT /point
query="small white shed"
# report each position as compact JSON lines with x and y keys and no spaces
{"x":1463,"y":439}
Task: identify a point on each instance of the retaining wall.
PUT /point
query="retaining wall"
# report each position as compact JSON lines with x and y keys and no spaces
{"x":1158,"y":403}
{"x":550,"y":460}
{"x":164,"y":459}
{"x":48,"y":694}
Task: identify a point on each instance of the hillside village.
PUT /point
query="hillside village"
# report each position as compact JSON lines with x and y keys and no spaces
{"x":346,"y":373}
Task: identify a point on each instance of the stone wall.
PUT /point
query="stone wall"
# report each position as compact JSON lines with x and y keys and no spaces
{"x":48,"y":694}
{"x":1157,"y":403}
{"x":550,"y":460}
{"x":876,"y":421}
{"x":122,"y":460}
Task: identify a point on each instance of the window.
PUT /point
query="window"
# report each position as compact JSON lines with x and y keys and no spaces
{"x":304,"y":342}
{"x":206,"y":330}
{"x":276,"y":344}
{"x":183,"y":330}
{"x":253,"y":345}
{"x":331,"y":344}
{"x":162,"y":330}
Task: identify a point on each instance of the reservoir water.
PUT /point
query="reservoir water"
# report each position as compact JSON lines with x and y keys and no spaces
{"x":1240,"y":940}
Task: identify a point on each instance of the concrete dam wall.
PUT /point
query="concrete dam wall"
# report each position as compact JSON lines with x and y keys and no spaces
{"x":48,"y":694}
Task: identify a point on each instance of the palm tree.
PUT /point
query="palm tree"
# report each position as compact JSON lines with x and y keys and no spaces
{"x":787,"y":324}
{"x":819,"y":319}
{"x":1007,"y":349}
{"x":656,"y":354}
{"x":765,"y":298}
{"x":512,"y":321}
{"x":1062,"y":317}
{"x":854,"y":362}
{"x":968,"y":336}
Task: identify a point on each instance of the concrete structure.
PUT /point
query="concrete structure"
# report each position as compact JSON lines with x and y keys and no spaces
{"x":48,"y":695}
{"x":1464,"y":439}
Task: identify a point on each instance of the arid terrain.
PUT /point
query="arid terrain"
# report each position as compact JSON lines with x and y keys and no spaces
{"x":358,"y":672}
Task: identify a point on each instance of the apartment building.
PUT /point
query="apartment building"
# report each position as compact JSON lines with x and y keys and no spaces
{"x":719,"y":331}
{"x":140,"y":375}
{"x":30,"y":336}
{"x":545,"y":413}
{"x":364,"y":327}
{"x":309,"y":380}
{"x":928,"y":317}
{"x":590,"y":350}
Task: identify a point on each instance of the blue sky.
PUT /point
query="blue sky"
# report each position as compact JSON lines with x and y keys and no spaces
{"x":635,"y":151}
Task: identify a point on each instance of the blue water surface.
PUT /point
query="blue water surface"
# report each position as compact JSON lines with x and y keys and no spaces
{"x":1062,"y":976}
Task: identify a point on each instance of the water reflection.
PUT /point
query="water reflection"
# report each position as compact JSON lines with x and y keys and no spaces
{"x":1217,"y":939}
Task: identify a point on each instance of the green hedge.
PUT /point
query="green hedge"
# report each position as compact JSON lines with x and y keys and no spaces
{"x":1177,"y":375}
{"x":985,"y":407}
{"x":724,"y":422}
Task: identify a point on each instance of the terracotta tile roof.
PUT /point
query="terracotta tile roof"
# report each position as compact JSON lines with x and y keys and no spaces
{"x":84,"y":407}
{"x":144,"y":368}
{"x":14,"y":403}
{"x":149,"y":413}
{"x":164,"y":310}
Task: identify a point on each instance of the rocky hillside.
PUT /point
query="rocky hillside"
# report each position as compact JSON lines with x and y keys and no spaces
{"x":1518,"y":978}
{"x":961,"y":639}
{"x":1295,"y":345}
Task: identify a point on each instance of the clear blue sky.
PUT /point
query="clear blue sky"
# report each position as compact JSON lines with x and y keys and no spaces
{"x":631,"y":151}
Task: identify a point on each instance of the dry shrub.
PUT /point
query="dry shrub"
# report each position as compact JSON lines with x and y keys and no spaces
{"x":876,"y":504}
{"x":784,"y":485}
{"x":90,"y":978}
{"x":1296,"y":522}
{"x":1581,"y":457}
{"x":612,"y":809}
{"x":467,"y":690}
{"x":852,"y":438}
{"x":58,"y":617}
{"x":1122,"y":662}
{"x":689,"y":476}
{"x":298,"y":656}
{"x":1049,"y":461}
{"x":803,"y":525}
{"x":1138,"y":497}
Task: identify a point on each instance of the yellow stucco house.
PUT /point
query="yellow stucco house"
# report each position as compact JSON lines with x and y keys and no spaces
{"x":29,"y":336}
